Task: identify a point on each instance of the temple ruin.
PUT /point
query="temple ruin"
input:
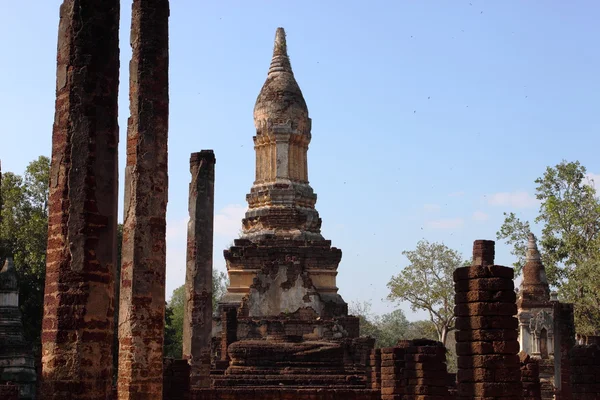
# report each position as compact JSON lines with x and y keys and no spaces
{"x":545,"y":324}
{"x":282,"y":331}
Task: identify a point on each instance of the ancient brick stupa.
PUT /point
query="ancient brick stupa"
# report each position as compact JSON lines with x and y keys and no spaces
{"x":282,"y":304}
{"x":543,"y":321}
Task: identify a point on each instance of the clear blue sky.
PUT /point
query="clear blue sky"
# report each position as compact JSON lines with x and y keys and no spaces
{"x":430,"y":118}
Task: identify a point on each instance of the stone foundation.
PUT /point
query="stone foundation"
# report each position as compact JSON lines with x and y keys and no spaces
{"x":284,"y":394}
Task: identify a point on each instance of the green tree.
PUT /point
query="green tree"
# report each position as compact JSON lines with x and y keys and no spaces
{"x":23,"y":235}
{"x":386,"y":329}
{"x":368,"y":321}
{"x":569,"y":215}
{"x":219,"y":287}
{"x":421,"y":329}
{"x":427,"y":284}
{"x":173,"y":346}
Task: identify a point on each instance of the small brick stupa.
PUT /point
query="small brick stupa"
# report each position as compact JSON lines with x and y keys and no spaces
{"x":282,"y":309}
{"x":544,"y":323}
{"x":16,"y":358}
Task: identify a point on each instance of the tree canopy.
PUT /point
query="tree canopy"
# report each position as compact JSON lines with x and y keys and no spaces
{"x":427,"y":284}
{"x":173,"y":346}
{"x":23,"y":235}
{"x":569,"y":217}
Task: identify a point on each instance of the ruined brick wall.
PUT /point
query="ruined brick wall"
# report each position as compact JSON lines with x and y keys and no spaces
{"x":414,"y":369}
{"x":392,"y":366}
{"x":77,"y":326}
{"x":142,"y":296}
{"x":374,"y":370}
{"x":284,"y":394}
{"x":585,"y":372}
{"x":176,"y":379}
{"x":9,"y":391}
{"x":425,"y":373}
{"x":530,"y":377}
{"x":487,"y":346}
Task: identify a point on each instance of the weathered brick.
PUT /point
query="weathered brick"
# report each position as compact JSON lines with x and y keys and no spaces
{"x":80,"y":267}
{"x":142,"y":296}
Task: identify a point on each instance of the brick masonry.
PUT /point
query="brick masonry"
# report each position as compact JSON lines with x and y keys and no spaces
{"x":585,"y":368}
{"x":565,"y":341}
{"x":486,"y":337}
{"x":374,"y":370}
{"x":530,"y":377}
{"x":142,"y":296}
{"x":77,"y":327}
{"x":176,"y":379}
{"x":197,"y":322}
{"x":9,"y":391}
{"x":284,"y":394}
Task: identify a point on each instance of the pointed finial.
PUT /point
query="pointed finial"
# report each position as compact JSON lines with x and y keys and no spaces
{"x":280,"y":48}
{"x":280,"y":61}
{"x":9,"y":265}
{"x":8,"y":276}
{"x":533,"y":253}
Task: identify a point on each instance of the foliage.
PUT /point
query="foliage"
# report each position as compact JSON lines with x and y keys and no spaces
{"x":23,"y":235}
{"x":426,"y":283}
{"x":387,"y":329}
{"x":570,"y":218}
{"x":219,"y":286}
{"x":173,"y":346}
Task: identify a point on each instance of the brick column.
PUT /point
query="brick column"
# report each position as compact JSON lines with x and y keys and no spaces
{"x":487,"y":346}
{"x":197,"y":319}
{"x":142,"y":298}
{"x":564,"y":336}
{"x":77,"y":327}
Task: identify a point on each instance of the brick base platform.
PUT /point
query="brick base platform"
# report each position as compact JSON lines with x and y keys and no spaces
{"x":284,"y":394}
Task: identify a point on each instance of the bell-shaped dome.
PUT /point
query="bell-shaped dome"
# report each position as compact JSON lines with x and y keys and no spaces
{"x":280,"y":101}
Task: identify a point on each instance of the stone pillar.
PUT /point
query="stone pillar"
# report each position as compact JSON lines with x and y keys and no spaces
{"x":197,"y":319}
{"x":486,"y":337}
{"x":143,"y":265}
{"x":564,"y":341}
{"x":228,"y":330}
{"x":77,"y":327}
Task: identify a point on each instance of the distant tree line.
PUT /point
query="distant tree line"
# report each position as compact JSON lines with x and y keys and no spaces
{"x":568,"y":218}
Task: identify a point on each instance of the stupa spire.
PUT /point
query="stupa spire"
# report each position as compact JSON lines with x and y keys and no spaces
{"x":533,"y":253}
{"x":280,"y":61}
{"x":534,"y":286}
